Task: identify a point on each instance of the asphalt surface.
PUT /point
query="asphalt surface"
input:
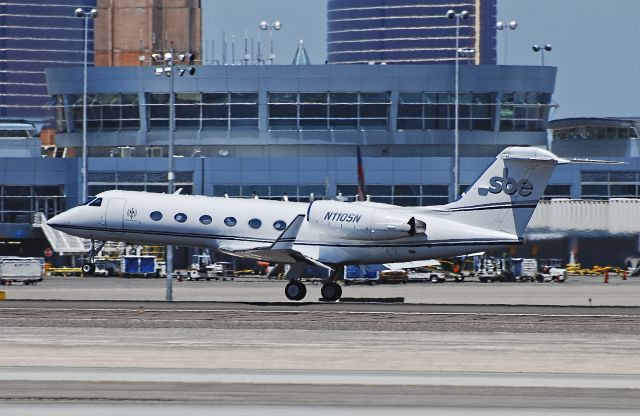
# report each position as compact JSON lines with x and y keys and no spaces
{"x":67,"y":356}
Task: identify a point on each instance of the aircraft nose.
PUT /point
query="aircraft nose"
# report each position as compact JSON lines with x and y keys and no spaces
{"x":58,"y":220}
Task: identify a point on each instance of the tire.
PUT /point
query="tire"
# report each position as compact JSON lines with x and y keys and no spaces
{"x":331,"y":292}
{"x":295,"y":291}
{"x":434,"y":278}
{"x":88,"y":268}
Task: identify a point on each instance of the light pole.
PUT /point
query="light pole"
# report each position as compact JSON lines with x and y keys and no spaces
{"x":168,"y":67}
{"x":512,"y":25}
{"x":86,"y":14}
{"x":451,"y":14}
{"x":541,"y":49}
{"x":277,"y":25}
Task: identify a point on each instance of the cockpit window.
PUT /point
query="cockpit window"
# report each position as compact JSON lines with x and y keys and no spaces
{"x":95,"y":203}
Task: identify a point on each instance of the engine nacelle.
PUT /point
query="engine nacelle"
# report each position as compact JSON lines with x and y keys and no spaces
{"x":363,"y":222}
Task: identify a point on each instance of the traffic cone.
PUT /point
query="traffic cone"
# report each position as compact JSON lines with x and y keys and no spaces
{"x":606,"y":276}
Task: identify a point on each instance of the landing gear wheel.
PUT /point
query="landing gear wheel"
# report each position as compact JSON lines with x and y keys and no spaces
{"x":88,"y":268}
{"x":331,"y":292}
{"x":295,"y":291}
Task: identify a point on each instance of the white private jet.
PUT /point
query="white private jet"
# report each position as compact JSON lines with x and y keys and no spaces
{"x":494,"y":211}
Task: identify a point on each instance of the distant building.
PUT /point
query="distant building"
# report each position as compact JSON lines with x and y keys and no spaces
{"x":36,"y":35}
{"x":596,"y":137}
{"x":127,"y":32}
{"x":408,"y":31}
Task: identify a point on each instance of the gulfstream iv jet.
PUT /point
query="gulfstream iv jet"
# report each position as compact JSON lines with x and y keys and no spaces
{"x":494,"y":211}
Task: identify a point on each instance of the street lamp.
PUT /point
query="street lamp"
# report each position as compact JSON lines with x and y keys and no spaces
{"x":170,"y":68}
{"x":277,"y":25}
{"x":541,"y":49}
{"x":86,"y":14}
{"x":512,"y":25}
{"x":451,"y":14}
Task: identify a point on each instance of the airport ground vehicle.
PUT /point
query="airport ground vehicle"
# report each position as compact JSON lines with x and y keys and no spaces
{"x":106,"y":267}
{"x":365,"y":274}
{"x":25,"y":270}
{"x":137,"y":266}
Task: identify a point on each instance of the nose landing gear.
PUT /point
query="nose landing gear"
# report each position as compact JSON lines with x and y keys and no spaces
{"x":89,"y":266}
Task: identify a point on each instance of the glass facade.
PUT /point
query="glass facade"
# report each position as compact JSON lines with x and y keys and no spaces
{"x":436,"y":111}
{"x":329,"y":111}
{"x":521,"y":111}
{"x":407,"y":31}
{"x":18,"y":203}
{"x":605,"y":185}
{"x":137,"y":181}
{"x":296,"y":193}
{"x":595,"y":132}
{"x":403,"y":195}
{"x":369,"y":110}
{"x":37,"y":35}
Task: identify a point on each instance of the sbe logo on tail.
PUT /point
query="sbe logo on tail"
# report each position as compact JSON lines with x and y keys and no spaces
{"x":509,"y":185}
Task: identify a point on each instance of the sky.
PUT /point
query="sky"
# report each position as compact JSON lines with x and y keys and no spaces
{"x":595,"y":43}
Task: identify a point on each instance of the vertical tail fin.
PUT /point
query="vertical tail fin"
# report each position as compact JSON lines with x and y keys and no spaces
{"x":506,"y":195}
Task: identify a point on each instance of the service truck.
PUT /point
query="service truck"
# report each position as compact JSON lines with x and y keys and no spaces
{"x":25,"y":270}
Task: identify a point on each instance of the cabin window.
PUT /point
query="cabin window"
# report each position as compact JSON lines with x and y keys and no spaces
{"x":95,"y":203}
{"x":206,"y":219}
{"x":255,"y":223}
{"x":279,"y":225}
{"x":180,"y":217}
{"x":156,"y":215}
{"x":230,"y":221}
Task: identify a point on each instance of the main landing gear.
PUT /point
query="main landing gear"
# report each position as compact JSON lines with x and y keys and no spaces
{"x":296,"y":290}
{"x":89,"y":267}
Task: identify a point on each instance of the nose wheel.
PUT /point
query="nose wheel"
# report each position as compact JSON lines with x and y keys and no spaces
{"x":295,"y":290}
{"x":89,"y":267}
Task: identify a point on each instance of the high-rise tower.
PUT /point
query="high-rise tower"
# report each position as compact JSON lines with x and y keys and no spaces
{"x":36,"y":35}
{"x":408,"y":31}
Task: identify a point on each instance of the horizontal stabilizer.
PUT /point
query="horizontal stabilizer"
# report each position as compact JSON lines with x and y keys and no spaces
{"x":596,"y":161}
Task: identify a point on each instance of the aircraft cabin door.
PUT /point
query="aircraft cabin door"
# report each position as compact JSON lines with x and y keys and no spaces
{"x":115,"y":214}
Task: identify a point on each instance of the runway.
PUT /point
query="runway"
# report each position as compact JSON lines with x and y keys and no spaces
{"x":67,"y":357}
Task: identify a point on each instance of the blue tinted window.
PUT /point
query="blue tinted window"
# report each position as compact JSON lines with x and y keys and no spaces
{"x":180,"y":217}
{"x":206,"y":219}
{"x":156,"y":215}
{"x":230,"y":221}
{"x":279,"y":225}
{"x":255,"y":223}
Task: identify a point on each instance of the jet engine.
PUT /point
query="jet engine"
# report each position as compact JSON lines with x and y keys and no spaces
{"x":354,"y":221}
